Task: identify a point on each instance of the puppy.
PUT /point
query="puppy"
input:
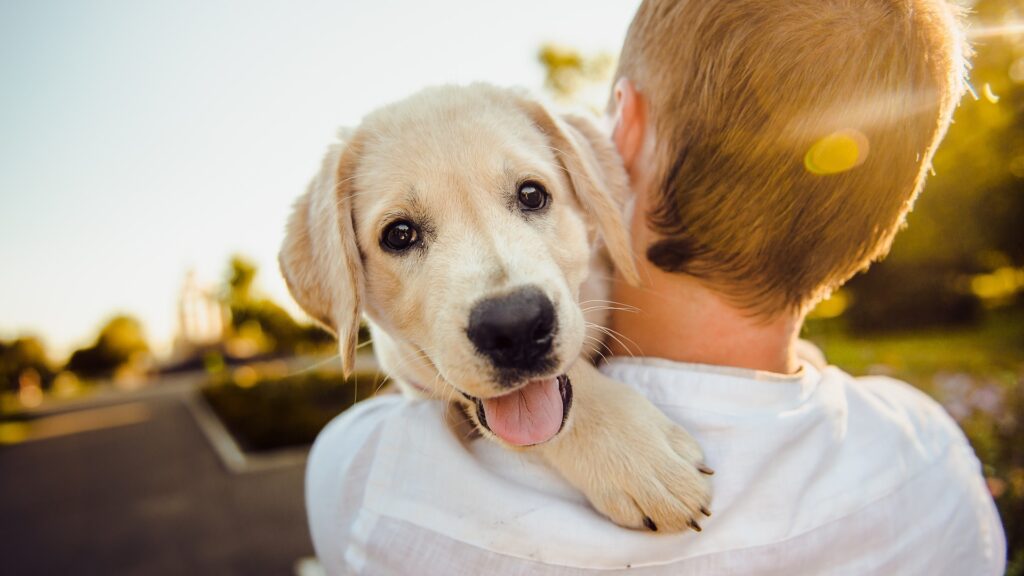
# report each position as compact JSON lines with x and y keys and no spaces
{"x":472,"y":228}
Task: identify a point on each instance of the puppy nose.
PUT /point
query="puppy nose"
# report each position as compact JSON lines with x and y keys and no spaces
{"x":515,"y":330}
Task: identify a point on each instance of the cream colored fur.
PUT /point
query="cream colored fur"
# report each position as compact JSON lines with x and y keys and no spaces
{"x":451,"y":159}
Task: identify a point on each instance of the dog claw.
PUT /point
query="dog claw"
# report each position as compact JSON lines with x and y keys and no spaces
{"x":650,"y":524}
{"x":705,"y":511}
{"x":705,"y":470}
{"x":696,"y":527}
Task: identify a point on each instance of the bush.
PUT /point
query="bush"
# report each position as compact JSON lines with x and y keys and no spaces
{"x":282,"y":412}
{"x":901,"y":296}
{"x":119,"y":342}
{"x":21,"y":356}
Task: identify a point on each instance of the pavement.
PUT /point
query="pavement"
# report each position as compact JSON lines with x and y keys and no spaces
{"x":132,"y":486}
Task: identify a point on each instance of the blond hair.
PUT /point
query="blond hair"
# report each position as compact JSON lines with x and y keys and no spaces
{"x":792,"y":135}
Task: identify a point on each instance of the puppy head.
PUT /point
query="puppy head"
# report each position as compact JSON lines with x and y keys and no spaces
{"x":461,"y":221}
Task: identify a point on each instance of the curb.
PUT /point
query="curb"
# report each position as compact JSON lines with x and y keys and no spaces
{"x":231,"y":455}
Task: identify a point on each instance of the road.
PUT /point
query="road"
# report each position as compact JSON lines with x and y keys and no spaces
{"x":135,"y":488}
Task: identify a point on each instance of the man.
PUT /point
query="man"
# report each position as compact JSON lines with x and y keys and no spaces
{"x":774,"y":148}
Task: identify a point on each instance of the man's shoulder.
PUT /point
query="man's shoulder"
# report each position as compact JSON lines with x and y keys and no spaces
{"x":365,"y":417}
{"x":862,"y":452}
{"x":335,"y":447}
{"x":889,"y":398}
{"x":951,"y":474}
{"x":354,"y":452}
{"x":347,"y":448}
{"x":895,"y":426}
{"x":905,"y":407}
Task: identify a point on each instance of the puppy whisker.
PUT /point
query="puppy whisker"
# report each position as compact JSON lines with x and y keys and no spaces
{"x":619,"y":305}
{"x":600,"y":343}
{"x":315,"y":366}
{"x":593,"y":308}
{"x":616,"y":336}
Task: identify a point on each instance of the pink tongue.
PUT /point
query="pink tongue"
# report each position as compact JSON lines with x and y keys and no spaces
{"x":530,"y":415}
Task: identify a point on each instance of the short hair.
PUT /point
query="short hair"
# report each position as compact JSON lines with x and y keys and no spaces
{"x":792,"y":136}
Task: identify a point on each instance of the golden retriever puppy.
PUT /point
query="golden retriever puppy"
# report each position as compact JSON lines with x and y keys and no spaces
{"x":472,"y":228}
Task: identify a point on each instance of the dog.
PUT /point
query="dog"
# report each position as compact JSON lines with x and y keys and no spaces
{"x":475,"y":230}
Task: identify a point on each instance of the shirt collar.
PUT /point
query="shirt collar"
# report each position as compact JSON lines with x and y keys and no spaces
{"x":723,"y":389}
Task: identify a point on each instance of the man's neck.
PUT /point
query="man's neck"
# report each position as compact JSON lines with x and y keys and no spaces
{"x":674,"y":316}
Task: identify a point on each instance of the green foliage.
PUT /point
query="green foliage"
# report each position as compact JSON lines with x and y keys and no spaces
{"x":265,"y":324}
{"x":241,"y":275}
{"x":910,"y":295}
{"x":120,"y":341}
{"x":20,"y":356}
{"x":568,"y":72}
{"x":291,"y":411}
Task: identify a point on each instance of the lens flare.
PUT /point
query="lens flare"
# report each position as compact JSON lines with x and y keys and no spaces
{"x":1007,"y":29}
{"x":1017,"y":71}
{"x":989,"y":94}
{"x":836,"y":153}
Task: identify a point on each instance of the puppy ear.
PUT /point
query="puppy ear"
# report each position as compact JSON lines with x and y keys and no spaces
{"x":597,"y":175}
{"x":320,"y":259}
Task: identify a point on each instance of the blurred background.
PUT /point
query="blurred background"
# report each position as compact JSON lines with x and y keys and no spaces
{"x":159,"y":389}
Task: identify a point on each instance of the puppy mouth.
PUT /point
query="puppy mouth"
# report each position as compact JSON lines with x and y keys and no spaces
{"x":532,"y":414}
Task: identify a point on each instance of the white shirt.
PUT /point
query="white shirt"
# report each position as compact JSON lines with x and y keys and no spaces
{"x":817,"y":473}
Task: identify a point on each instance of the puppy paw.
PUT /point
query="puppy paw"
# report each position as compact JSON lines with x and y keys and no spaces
{"x":635,"y":465}
{"x":664,"y":486}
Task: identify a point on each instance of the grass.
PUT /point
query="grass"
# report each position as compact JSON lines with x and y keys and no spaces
{"x":992,"y":350}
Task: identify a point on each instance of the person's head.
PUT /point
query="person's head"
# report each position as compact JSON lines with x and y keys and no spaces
{"x":783,"y":141}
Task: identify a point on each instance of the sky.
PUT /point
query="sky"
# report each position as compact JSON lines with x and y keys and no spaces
{"x":139,"y":140}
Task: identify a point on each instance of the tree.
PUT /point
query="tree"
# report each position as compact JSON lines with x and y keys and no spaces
{"x":260,"y":321}
{"x":120,"y":341}
{"x":569,"y":74}
{"x":21,"y":356}
{"x":241,"y":275}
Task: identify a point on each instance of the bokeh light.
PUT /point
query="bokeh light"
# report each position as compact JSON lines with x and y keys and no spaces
{"x":836,"y":153}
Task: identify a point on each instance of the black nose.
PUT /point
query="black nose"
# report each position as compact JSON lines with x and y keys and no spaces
{"x":514,"y":331}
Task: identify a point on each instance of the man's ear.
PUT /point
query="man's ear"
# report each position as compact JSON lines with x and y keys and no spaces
{"x":597,"y":176}
{"x":630,"y":123}
{"x":320,"y":259}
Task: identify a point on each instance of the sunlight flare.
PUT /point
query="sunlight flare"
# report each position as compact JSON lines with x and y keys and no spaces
{"x":1008,"y":29}
{"x":989,"y":94}
{"x":838,"y":152}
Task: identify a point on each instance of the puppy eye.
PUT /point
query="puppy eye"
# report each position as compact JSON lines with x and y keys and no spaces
{"x":532,"y":196}
{"x":400,"y":236}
